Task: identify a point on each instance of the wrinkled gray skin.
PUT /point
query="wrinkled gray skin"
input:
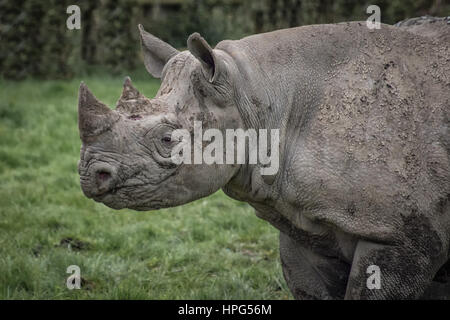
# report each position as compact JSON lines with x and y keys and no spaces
{"x":364,"y":173}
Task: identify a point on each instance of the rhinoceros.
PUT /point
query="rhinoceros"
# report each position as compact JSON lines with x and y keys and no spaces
{"x":361,"y":197}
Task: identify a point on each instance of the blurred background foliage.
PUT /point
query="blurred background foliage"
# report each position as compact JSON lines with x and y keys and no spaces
{"x":36,"y":42}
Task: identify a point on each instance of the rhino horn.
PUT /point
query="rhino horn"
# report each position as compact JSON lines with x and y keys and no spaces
{"x":132,"y":101}
{"x":129,"y":92}
{"x":94,"y":117}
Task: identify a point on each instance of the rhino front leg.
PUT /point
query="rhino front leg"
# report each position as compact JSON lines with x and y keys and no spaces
{"x":404,"y":272}
{"x":310,"y":275}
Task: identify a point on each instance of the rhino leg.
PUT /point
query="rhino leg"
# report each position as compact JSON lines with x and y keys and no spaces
{"x":404,"y":272}
{"x":439,"y":289}
{"x":310,"y":275}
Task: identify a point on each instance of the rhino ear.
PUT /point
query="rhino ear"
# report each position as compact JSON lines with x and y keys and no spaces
{"x":203,"y":52}
{"x":156,"y":52}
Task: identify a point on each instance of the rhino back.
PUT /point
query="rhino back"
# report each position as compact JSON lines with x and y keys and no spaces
{"x":435,"y":28}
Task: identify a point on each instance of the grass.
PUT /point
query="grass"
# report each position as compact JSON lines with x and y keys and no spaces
{"x":213,"y":248}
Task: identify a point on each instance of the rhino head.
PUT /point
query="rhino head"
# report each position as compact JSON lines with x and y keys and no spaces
{"x":126,"y":152}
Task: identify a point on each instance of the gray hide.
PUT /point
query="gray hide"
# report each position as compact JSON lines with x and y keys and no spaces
{"x":364,"y":173}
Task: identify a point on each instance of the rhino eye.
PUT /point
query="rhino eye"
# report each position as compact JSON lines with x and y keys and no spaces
{"x":166,"y":139}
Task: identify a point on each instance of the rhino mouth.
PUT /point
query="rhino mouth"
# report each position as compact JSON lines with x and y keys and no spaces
{"x":111,"y":201}
{"x":114,"y":191}
{"x":115,"y":198}
{"x":98,"y":197}
{"x":152,"y":205}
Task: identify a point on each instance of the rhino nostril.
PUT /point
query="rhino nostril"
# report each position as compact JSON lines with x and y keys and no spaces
{"x":104,"y":179}
{"x":98,"y":179}
{"x":103,"y":175}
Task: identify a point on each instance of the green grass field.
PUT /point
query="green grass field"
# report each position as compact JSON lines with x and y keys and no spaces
{"x":214,"y":248}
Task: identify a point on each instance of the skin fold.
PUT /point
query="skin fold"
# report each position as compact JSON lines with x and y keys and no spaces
{"x":364,"y":175}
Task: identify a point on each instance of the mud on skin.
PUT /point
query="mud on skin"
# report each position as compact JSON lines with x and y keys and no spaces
{"x":364,"y":174}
